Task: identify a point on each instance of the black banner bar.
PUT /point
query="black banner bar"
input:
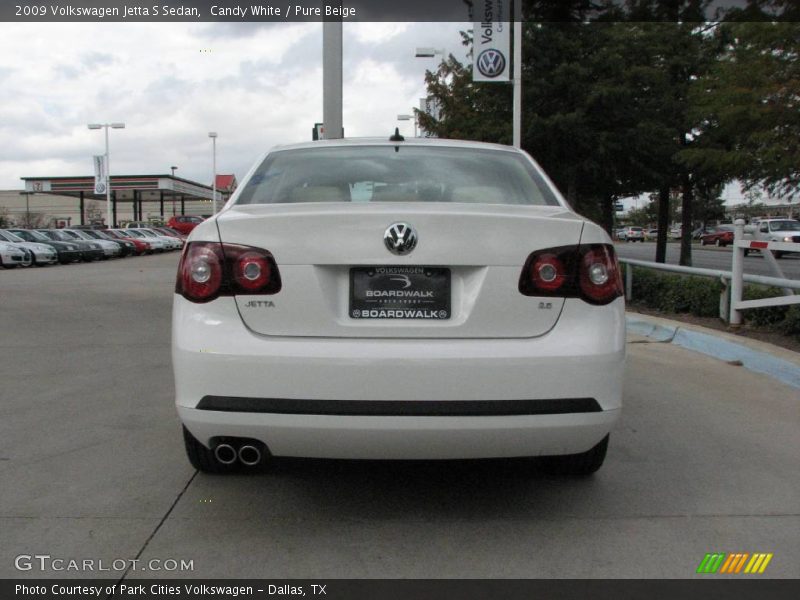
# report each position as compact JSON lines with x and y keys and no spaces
{"x":278,"y":11}
{"x":401,"y":589}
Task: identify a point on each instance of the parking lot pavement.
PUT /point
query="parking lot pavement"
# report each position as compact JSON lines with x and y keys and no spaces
{"x":92,"y":465}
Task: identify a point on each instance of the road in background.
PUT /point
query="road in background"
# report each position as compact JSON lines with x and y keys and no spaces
{"x":92,"y":465}
{"x":710,"y":258}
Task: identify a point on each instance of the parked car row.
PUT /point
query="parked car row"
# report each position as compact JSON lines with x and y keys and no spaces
{"x":39,"y":247}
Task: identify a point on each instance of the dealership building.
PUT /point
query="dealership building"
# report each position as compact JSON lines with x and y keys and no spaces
{"x":70,"y":201}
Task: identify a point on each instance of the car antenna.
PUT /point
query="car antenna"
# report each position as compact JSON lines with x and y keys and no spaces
{"x":396,"y":137}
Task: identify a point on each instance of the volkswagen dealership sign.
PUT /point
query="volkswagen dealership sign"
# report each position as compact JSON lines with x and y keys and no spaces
{"x":491,"y":52}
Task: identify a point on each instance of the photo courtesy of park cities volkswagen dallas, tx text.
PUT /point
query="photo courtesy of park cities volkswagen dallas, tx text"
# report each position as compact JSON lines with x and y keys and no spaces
{"x":367,"y":299}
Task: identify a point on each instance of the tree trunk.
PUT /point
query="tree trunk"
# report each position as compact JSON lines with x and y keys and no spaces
{"x":686,"y":222}
{"x":572,"y":191}
{"x":663,"y":223}
{"x":608,"y":215}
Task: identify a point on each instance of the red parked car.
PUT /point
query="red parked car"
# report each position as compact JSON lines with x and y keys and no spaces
{"x":170,"y":232}
{"x":142,"y":247}
{"x":184,"y":223}
{"x":719,"y":236}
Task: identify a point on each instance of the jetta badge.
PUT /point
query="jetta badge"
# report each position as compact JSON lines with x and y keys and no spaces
{"x":400,"y":238}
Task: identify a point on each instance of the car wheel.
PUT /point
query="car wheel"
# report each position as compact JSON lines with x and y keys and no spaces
{"x":718,"y":243}
{"x":203,"y":458}
{"x":778,"y":254}
{"x":580,"y":465}
{"x":746,"y":251}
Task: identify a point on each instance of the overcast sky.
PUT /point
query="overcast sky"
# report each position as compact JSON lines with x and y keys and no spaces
{"x":255,"y":84}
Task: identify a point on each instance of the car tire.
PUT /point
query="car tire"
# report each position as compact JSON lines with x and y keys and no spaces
{"x":718,"y":243}
{"x":746,"y":251}
{"x":203,"y":458}
{"x":578,"y":465}
{"x":778,"y":254}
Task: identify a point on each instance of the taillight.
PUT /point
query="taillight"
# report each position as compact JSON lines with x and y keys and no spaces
{"x":208,"y":270}
{"x":251,"y":271}
{"x":600,"y":277}
{"x":547,"y":272}
{"x":589,"y":271}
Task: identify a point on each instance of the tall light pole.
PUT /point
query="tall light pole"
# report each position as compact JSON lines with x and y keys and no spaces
{"x":428,"y":52}
{"x":27,"y":208}
{"x":516,"y":118}
{"x":173,"y":189}
{"x":213,"y":136}
{"x":332,"y":79}
{"x":409,"y":118}
{"x":105,"y":126}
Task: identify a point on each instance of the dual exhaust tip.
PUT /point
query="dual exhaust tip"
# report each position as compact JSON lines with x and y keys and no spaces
{"x":248,"y":454}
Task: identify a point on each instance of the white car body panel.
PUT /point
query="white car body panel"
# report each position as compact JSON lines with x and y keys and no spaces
{"x":10,"y":254}
{"x":498,"y":345}
{"x":484,"y":272}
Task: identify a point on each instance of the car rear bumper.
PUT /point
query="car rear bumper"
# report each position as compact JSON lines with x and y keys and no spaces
{"x":559,"y":393}
{"x":382,"y":437}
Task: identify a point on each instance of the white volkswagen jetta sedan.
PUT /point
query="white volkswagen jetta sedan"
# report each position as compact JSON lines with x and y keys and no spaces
{"x":398,"y":299}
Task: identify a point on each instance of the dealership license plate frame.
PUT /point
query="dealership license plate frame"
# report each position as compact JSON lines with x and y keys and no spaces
{"x":381,"y":278}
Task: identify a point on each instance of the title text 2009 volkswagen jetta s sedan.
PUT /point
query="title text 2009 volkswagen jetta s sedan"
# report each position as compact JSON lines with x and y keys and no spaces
{"x":398,"y":299}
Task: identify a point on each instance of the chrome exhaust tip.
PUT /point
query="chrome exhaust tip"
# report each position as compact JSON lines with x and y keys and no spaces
{"x":225,"y":454}
{"x":249,"y":455}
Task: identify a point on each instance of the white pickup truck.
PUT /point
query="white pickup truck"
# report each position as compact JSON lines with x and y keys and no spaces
{"x":774,"y":230}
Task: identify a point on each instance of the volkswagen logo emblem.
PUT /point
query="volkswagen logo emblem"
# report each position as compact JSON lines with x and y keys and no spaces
{"x":491,"y":63}
{"x":400,"y":238}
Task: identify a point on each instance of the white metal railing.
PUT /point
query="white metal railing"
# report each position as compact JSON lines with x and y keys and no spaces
{"x":730,"y":302}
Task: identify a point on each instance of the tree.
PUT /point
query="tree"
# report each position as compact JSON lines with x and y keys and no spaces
{"x":611,"y":108}
{"x":466,"y":110}
{"x":710,"y":205}
{"x":748,"y":105}
{"x":32,"y":220}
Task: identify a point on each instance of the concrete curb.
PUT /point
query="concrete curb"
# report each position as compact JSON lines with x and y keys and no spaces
{"x":780,"y":364}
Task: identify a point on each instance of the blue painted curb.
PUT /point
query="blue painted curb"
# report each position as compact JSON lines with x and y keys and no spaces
{"x":717,"y":347}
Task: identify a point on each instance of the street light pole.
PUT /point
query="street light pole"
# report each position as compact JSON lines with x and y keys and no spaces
{"x":27,"y":208}
{"x":412,"y":117}
{"x":173,"y":190}
{"x":332,"y":79}
{"x":213,"y":136}
{"x":517,"y":106}
{"x":105,"y":126}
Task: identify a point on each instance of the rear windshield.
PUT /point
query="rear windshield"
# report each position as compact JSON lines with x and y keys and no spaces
{"x":410,"y":174}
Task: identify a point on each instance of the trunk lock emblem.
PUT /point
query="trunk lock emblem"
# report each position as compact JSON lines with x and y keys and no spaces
{"x":400,"y":238}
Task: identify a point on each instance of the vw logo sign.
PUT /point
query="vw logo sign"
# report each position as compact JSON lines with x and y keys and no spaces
{"x":400,"y":238}
{"x":491,"y":62}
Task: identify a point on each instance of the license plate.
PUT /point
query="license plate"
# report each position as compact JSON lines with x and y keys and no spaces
{"x":399,"y":293}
